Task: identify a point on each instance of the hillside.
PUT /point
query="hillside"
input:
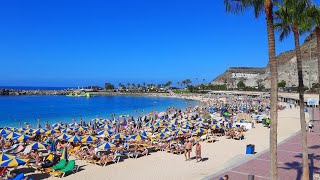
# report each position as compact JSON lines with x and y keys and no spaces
{"x":287,"y":68}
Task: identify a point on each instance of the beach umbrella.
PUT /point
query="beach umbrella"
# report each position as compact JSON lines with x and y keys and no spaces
{"x":107,"y":126}
{"x":20,"y":130}
{"x":118,"y":136}
{"x":161,"y":135}
{"x":74,"y":139}
{"x":13,"y":129}
{"x":200,"y":130}
{"x":105,"y":132}
{"x":23,"y":138}
{"x":13,"y":162}
{"x":4,"y":131}
{"x":151,"y":127}
{"x":165,"y":130}
{"x":158,"y":124}
{"x":63,"y":137}
{"x":201,"y":125}
{"x":75,"y":124}
{"x":138,"y":137}
{"x":143,"y":133}
{"x":36,"y":145}
{"x":67,"y":130}
{"x":172,"y":126}
{"x":215,"y":126}
{"x":28,"y":130}
{"x":58,"y":127}
{"x":89,"y":139}
{"x":39,"y":131}
{"x":180,"y":132}
{"x":55,"y":125}
{"x":13,"y":135}
{"x":52,"y":131}
{"x":4,"y":157}
{"x":186,"y":126}
{"x":80,"y":128}
{"x":65,"y":154}
{"x":106,"y":146}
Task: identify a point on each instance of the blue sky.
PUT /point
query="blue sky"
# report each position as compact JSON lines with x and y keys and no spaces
{"x":78,"y":42}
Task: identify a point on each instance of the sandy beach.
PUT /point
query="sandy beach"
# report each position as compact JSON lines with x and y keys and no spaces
{"x":218,"y":156}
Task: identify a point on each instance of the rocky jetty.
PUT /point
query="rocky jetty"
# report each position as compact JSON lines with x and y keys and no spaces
{"x":15,"y":92}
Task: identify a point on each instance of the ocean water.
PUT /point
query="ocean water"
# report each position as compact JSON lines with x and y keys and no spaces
{"x":34,"y":88}
{"x":15,"y":109}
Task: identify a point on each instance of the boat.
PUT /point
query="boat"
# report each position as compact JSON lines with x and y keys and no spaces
{"x":78,"y":95}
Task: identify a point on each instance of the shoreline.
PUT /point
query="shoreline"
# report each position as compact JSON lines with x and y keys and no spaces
{"x":132,"y":111}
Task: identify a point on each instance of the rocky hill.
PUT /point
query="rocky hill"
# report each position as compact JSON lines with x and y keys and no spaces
{"x":287,"y":68}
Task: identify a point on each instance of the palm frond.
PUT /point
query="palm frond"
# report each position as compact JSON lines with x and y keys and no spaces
{"x":293,"y":13}
{"x":239,"y":6}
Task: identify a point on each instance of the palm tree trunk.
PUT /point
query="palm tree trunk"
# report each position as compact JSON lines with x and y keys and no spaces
{"x":305,"y":174}
{"x":318,"y":54}
{"x":274,"y":89}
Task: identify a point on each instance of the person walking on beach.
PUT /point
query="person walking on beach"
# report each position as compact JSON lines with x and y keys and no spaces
{"x":310,"y":126}
{"x":188,"y":149}
{"x":198,"y":152}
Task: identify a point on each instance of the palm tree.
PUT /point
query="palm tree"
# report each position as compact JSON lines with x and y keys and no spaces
{"x":258,"y":6}
{"x":292,"y":16}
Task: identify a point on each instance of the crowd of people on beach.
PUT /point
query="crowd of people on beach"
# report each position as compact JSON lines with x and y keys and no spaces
{"x":105,"y":141}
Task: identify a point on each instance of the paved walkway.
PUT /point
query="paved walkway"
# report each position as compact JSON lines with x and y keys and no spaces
{"x":289,"y":160}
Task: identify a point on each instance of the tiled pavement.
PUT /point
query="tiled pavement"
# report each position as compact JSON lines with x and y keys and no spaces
{"x":289,"y":160}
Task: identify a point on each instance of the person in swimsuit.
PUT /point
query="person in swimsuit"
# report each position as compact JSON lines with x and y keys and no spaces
{"x":198,"y":152}
{"x":188,"y":149}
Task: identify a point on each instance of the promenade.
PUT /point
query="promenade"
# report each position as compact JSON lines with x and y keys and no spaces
{"x":289,"y":160}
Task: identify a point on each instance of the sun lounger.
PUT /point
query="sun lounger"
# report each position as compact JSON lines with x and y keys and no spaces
{"x":70,"y":168}
{"x":62,"y":163}
{"x":18,"y":150}
{"x":11,"y":148}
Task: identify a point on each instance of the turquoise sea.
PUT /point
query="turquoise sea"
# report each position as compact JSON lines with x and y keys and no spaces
{"x":15,"y":109}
